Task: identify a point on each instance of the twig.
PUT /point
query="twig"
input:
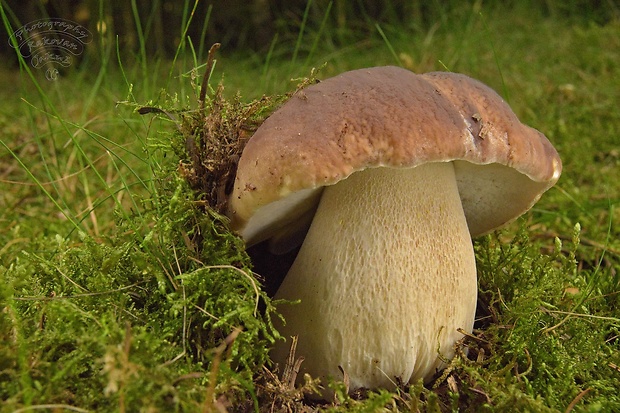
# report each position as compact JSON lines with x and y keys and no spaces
{"x":470,"y":335}
{"x":292,"y":366}
{"x":576,"y":400}
{"x":568,"y":315}
{"x":215,"y":367}
{"x":582,"y":240}
{"x":529,"y":367}
{"x":54,"y":407}
{"x":249,"y":277}
{"x":60,"y":297}
{"x":207,"y":75}
{"x":482,"y":393}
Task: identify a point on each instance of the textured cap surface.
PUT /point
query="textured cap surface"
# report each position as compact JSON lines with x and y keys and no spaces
{"x":389,"y":116}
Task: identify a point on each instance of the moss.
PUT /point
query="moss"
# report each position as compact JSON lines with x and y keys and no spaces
{"x":131,"y":321}
{"x":542,"y":343}
{"x":165,"y":314}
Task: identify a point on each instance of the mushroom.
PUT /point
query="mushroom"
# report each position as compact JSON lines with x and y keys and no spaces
{"x":384,"y":176}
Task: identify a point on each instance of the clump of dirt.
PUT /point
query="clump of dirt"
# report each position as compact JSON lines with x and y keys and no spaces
{"x":214,"y":140}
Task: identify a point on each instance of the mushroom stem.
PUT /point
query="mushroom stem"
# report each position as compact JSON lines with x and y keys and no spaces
{"x":386,"y":275}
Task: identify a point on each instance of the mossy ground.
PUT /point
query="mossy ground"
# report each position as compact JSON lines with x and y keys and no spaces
{"x":121,"y":290}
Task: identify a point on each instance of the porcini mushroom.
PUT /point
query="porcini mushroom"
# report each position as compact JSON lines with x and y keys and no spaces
{"x":385,"y":176}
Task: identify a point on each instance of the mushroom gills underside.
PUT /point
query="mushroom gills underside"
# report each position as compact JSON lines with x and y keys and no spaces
{"x":494,"y":195}
{"x":283,"y":223}
{"x":386,"y":275}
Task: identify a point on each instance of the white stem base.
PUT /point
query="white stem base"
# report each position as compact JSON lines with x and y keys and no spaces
{"x":386,"y":276}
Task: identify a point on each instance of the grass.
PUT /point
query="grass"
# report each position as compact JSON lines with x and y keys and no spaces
{"x":120,"y":291}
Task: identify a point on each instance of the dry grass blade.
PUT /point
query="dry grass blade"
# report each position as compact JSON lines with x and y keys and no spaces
{"x":210,"y":402}
{"x":576,"y":400}
{"x":292,"y":366}
{"x":207,"y":75}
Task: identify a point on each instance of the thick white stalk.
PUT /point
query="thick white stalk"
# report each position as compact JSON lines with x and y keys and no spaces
{"x":386,"y":276}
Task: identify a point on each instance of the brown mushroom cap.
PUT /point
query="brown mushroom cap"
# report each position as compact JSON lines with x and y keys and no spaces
{"x":391,"y":117}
